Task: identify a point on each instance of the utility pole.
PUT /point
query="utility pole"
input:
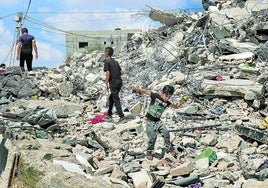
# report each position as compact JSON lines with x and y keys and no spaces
{"x":18,"y":20}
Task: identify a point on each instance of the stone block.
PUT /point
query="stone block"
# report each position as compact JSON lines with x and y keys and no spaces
{"x":254,"y":183}
{"x":92,"y":78}
{"x":236,"y":57}
{"x":202,"y":164}
{"x":136,"y":109}
{"x":230,"y":143}
{"x":56,"y":77}
{"x":65,"y":89}
{"x":131,"y":167}
{"x":209,"y":140}
{"x":118,"y":174}
{"x":103,"y":171}
{"x":248,"y":89}
{"x":141,"y":179}
{"x":183,"y":169}
{"x":121,"y":128}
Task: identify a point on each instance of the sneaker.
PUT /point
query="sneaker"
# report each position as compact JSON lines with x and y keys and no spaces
{"x":108,"y":119}
{"x":122,"y":120}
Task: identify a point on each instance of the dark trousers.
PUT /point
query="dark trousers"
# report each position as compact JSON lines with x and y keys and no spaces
{"x":29,"y":60}
{"x":115,"y":87}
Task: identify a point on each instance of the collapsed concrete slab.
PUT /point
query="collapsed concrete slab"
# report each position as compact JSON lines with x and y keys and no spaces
{"x":134,"y":124}
{"x":237,"y":57}
{"x":166,"y":18}
{"x":7,"y":154}
{"x":253,"y":133}
{"x":228,"y":16}
{"x":250,"y":90}
{"x":235,"y":46}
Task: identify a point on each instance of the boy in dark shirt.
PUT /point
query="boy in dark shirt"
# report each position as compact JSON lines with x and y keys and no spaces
{"x":154,"y":124}
{"x":26,"y":44}
{"x":113,"y":81}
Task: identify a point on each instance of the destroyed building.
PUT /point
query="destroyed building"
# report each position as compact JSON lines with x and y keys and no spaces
{"x":52,"y":133}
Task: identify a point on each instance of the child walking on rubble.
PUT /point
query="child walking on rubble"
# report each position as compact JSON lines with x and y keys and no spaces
{"x":154,"y":125}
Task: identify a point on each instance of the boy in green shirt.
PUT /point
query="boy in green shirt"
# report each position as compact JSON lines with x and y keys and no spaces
{"x":154,"y":125}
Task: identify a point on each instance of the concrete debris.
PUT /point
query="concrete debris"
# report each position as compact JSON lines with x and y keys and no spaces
{"x":71,"y":167}
{"x":166,"y":18}
{"x":141,"y":179}
{"x":218,"y":58}
{"x":233,"y":87}
{"x":183,"y":169}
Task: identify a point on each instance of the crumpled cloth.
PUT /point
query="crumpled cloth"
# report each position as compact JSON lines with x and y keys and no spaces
{"x":98,"y":118}
{"x":196,"y":185}
{"x":217,"y":110}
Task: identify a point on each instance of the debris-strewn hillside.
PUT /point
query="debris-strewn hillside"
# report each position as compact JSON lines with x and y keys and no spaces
{"x":52,"y":133}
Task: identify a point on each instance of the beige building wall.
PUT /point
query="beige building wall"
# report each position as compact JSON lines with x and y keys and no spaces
{"x":76,"y":40}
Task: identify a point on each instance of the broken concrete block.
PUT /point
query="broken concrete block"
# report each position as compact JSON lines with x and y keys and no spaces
{"x":108,"y":126}
{"x":136,"y":109}
{"x":214,"y":182}
{"x":209,"y":140}
{"x":166,"y":18}
{"x":253,"y":133}
{"x":103,"y":171}
{"x":234,"y":87}
{"x":71,"y":167}
{"x":121,"y":128}
{"x":147,"y":164}
{"x":262,"y":78}
{"x":202,"y":164}
{"x":230,"y":143}
{"x":232,"y":176}
{"x":189,"y":142}
{"x":213,"y":9}
{"x":4,"y":100}
{"x":183,"y":169}
{"x":254,"y":183}
{"x":83,"y":160}
{"x":237,"y":47}
{"x":118,"y":174}
{"x":27,"y":90}
{"x":131,"y":167}
{"x":236,"y":57}
{"x":246,"y":71}
{"x":65,"y":89}
{"x":221,"y":32}
{"x":141,"y":179}
{"x":92,"y":78}
{"x":56,"y":77}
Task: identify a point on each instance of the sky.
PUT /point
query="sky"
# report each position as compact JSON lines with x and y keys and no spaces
{"x":48,"y":21}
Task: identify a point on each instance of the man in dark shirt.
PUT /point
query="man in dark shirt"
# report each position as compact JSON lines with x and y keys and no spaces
{"x":113,"y":81}
{"x":26,"y":44}
{"x":154,"y":125}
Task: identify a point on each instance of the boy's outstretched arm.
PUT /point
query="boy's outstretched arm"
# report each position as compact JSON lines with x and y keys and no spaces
{"x":140,"y":90}
{"x":181,"y":102}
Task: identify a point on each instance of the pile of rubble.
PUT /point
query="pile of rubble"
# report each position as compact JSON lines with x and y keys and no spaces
{"x":218,"y":58}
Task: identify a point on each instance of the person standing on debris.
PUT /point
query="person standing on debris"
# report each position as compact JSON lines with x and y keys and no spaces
{"x":25,"y":46}
{"x":154,"y":124}
{"x":113,"y":81}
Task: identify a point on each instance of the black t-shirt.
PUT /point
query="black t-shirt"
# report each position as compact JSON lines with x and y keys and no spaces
{"x":157,"y":107}
{"x":114,"y":68}
{"x":26,"y":41}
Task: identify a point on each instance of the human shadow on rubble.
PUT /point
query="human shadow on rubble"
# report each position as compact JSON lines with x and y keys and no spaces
{"x":3,"y":155}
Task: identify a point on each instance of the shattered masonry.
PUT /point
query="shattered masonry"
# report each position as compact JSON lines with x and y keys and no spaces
{"x":218,"y":58}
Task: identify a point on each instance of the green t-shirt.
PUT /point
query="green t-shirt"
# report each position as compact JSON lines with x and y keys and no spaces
{"x":157,"y":107}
